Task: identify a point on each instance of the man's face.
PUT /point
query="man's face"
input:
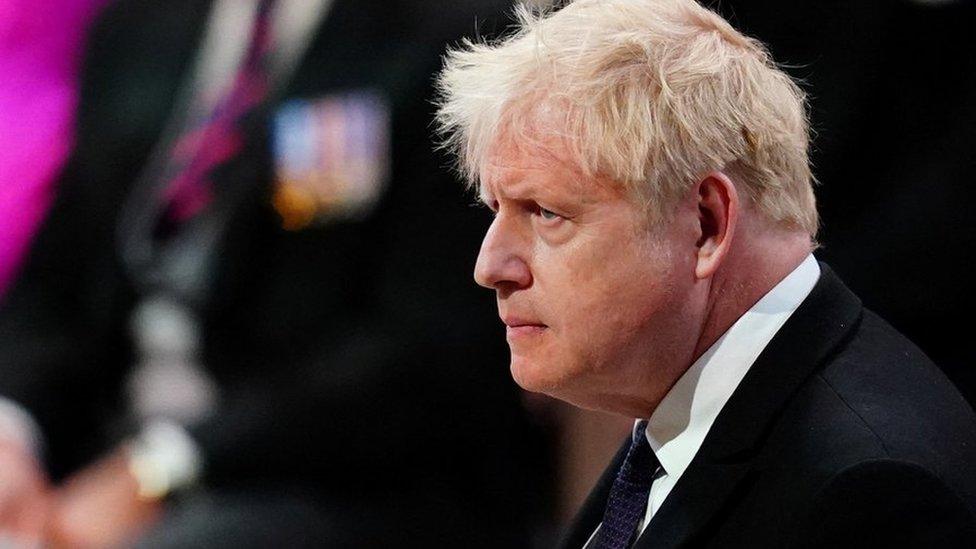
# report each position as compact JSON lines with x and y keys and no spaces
{"x":595,"y":302}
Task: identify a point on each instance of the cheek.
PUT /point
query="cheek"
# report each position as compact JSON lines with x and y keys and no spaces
{"x":651,"y":294}
{"x":607,"y":297}
{"x":621,"y":324}
{"x":583,"y":271}
{"x":617,"y":280}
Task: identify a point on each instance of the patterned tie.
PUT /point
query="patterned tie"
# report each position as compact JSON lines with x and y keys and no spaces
{"x":219,"y":138}
{"x":628,"y":496}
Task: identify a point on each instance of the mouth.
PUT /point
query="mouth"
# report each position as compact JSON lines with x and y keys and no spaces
{"x":519,"y":328}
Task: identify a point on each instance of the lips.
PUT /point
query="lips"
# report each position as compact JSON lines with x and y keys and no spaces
{"x":521,"y":327}
{"x":519,"y":322}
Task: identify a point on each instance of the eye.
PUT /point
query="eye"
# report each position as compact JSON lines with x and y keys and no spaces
{"x":548,"y":215}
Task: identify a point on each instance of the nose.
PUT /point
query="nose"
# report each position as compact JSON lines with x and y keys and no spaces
{"x":501,"y":264}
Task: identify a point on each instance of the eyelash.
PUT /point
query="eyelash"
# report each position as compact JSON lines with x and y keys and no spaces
{"x":544,"y":214}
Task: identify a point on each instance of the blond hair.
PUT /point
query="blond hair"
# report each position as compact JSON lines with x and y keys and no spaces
{"x":653,"y":93}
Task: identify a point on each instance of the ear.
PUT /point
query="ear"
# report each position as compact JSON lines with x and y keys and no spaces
{"x":718,"y":210}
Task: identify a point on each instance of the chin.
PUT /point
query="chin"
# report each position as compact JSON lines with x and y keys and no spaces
{"x":531,"y":375}
{"x":549,"y":377}
{"x":575,"y":384}
{"x":526,"y":375}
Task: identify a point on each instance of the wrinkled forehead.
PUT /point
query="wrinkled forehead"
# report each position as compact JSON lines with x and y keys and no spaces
{"x":531,"y":133}
{"x":516,"y":160}
{"x":541,"y":166}
{"x":542,"y":154}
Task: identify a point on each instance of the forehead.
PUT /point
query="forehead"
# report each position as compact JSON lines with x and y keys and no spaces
{"x":525,"y":166}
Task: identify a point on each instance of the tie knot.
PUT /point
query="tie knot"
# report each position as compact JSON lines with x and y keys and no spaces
{"x":640,"y":464}
{"x":628,"y":496}
{"x":640,"y":430}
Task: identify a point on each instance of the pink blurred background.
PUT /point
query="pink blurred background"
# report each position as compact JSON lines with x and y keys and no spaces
{"x":40,"y":47}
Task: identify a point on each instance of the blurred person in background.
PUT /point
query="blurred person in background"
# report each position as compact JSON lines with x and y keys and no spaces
{"x":651,"y":255}
{"x":246,"y":320}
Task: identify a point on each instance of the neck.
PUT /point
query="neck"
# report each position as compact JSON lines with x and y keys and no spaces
{"x":756,"y":264}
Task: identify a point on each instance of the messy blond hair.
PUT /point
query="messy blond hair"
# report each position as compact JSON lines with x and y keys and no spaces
{"x":653,"y":94}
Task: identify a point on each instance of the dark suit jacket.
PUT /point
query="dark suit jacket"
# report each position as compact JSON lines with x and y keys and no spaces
{"x":356,"y":357}
{"x":842,"y":434}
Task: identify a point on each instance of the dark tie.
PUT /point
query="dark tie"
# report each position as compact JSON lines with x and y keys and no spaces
{"x":219,"y":138}
{"x":628,"y":496}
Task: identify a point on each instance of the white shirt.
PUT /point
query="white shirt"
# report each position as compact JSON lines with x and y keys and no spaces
{"x":681,"y":421}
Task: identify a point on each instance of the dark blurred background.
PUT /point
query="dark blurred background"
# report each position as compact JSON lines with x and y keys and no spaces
{"x":892,"y":89}
{"x":251,"y":253}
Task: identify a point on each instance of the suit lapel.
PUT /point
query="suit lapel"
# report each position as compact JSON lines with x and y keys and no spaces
{"x":822,"y":323}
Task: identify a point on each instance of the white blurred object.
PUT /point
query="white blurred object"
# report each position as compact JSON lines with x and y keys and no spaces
{"x":164,"y":458}
{"x":167,"y":388}
{"x":168,"y":381}
{"x":19,"y":428}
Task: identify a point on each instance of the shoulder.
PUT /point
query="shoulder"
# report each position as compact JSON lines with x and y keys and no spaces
{"x":877,"y":416}
{"x":886,"y":502}
{"x":890,"y":388}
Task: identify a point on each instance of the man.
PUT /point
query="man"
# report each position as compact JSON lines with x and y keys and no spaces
{"x":651,"y":256}
{"x":335,"y":330}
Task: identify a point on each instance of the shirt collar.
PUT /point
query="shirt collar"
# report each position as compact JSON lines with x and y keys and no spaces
{"x":678,"y":426}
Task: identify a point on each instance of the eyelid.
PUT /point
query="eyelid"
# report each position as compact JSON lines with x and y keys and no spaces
{"x":544,"y":211}
{"x":541,"y":211}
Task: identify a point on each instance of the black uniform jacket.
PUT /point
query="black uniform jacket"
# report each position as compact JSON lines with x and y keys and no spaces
{"x":355,"y":357}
